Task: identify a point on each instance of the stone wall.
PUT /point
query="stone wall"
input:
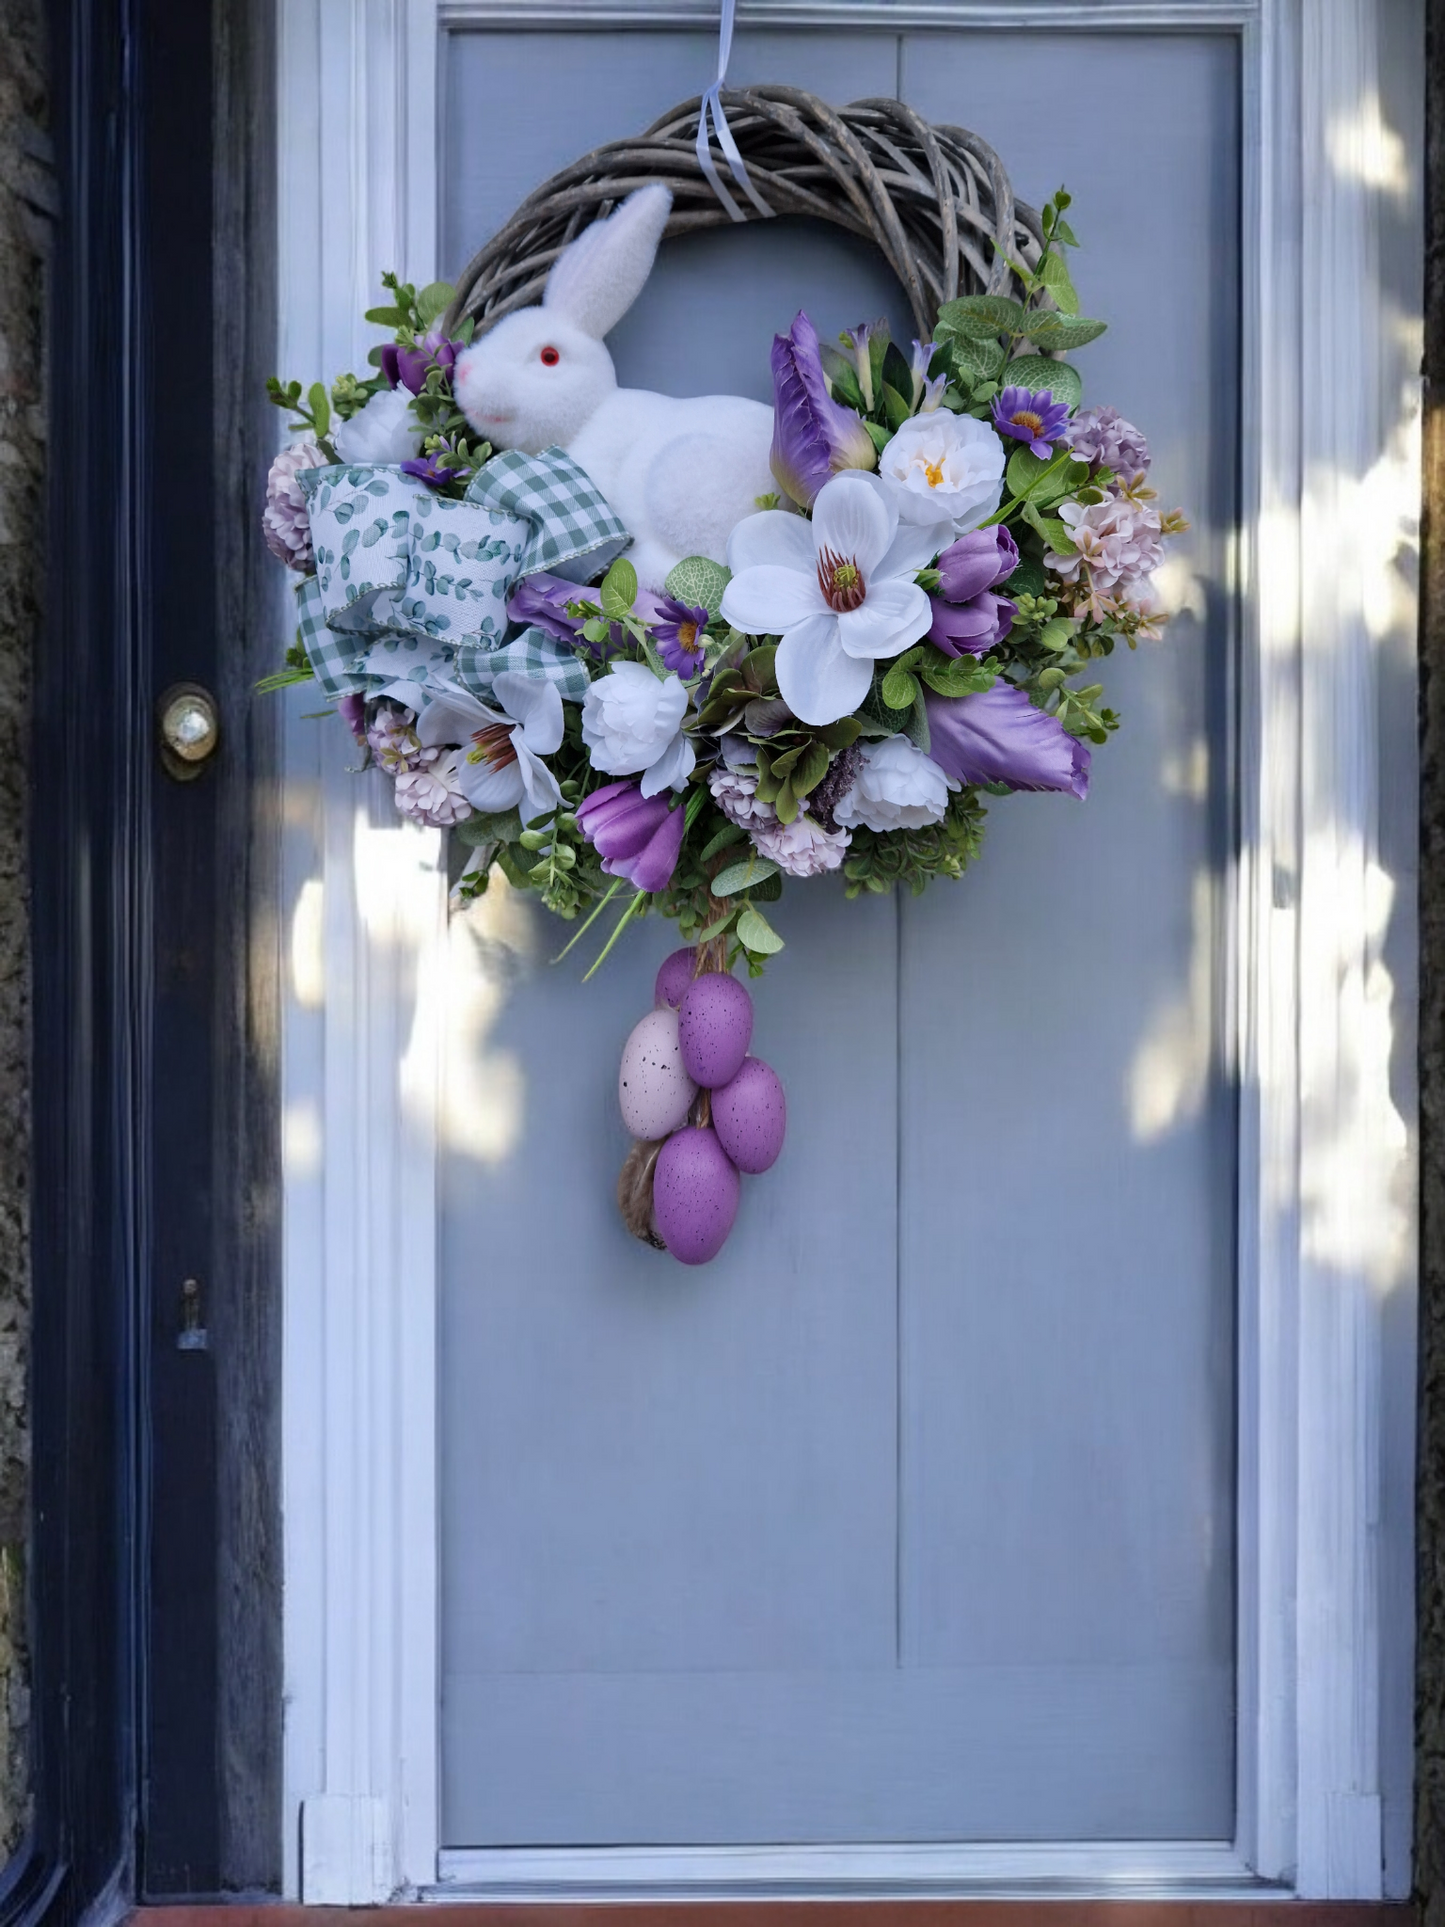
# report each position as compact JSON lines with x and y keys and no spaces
{"x":26,"y":206}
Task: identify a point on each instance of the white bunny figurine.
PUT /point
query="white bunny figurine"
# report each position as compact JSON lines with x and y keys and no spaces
{"x":680,"y":474}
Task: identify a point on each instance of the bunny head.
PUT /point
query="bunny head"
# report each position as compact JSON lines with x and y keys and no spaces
{"x":542,"y":373}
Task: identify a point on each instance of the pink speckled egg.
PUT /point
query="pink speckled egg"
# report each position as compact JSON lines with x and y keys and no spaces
{"x":750,"y":1116}
{"x":674,"y":979}
{"x":695,"y":1191}
{"x":653,"y":1089}
{"x":715,"y":1028}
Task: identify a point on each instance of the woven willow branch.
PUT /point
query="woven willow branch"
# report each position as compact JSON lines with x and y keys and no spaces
{"x":931,"y":199}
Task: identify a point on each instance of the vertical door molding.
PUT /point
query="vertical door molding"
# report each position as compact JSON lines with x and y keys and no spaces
{"x":365,"y":903}
{"x":1325,"y":1176}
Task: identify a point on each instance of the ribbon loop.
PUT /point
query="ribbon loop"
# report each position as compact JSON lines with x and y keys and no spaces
{"x":711,"y":107}
{"x":412,"y":587}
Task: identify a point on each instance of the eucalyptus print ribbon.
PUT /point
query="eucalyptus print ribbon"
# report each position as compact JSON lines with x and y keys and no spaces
{"x":412,"y":586}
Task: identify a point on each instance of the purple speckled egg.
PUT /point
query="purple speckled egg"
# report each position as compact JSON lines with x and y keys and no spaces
{"x":750,"y":1116}
{"x":653,"y":1089}
{"x":715,"y":1029}
{"x":674,"y":979}
{"x":695,"y":1191}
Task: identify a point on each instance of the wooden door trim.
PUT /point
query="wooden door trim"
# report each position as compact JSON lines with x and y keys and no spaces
{"x":1323,"y":1641}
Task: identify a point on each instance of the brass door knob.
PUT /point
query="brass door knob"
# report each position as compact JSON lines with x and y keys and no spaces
{"x":190,"y":729}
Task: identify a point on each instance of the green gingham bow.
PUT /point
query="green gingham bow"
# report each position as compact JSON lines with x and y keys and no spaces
{"x":412,"y":586}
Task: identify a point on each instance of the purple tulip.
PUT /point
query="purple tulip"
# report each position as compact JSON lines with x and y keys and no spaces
{"x":678,"y":628}
{"x":967,"y":618}
{"x":353,"y":709}
{"x":970,"y":628}
{"x":409,"y":367}
{"x":638,"y":837}
{"x":814,"y":437}
{"x":975,"y":562}
{"x":1036,"y":419}
{"x":542,"y":600}
{"x":998,"y":736}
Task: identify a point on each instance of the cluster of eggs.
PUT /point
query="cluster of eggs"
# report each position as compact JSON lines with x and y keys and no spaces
{"x":695,"y":1040}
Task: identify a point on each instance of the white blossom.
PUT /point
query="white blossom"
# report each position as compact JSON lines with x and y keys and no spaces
{"x":944,"y":470}
{"x":632,"y":721}
{"x":383,"y":433}
{"x":896,"y":787}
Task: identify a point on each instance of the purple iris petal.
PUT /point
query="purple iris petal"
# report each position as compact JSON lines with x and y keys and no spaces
{"x":638,"y":837}
{"x":975,"y":562}
{"x":998,"y":736}
{"x":409,"y":367}
{"x":1035,"y":418}
{"x":813,"y":435}
{"x":678,"y":628}
{"x":432,"y":469}
{"x":972,"y":627}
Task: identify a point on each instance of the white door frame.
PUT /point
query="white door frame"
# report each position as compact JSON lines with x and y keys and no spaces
{"x":1326,"y":1186}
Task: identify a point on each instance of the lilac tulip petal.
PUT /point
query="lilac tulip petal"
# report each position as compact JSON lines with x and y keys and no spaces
{"x":813,"y":436}
{"x":998,"y":736}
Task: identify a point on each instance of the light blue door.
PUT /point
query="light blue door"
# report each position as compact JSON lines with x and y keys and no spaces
{"x":911,"y":1517}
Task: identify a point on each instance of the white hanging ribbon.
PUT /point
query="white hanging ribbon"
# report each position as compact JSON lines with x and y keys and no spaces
{"x":712,"y":105}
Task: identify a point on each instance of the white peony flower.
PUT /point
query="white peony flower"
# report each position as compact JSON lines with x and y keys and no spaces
{"x":500,"y":766}
{"x":944,"y":470}
{"x":802,"y":848}
{"x":839,"y":591}
{"x":632,"y":721}
{"x":384,"y":432}
{"x":897,"y":787}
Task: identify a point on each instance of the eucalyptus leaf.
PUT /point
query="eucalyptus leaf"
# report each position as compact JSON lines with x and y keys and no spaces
{"x":755,"y":933}
{"x":729,"y":834}
{"x":740,"y":876}
{"x":386,"y":317}
{"x":619,"y":588}
{"x":434,"y":300}
{"x":1037,"y":372}
{"x":1059,"y":283}
{"x":717,"y":926}
{"x":481,"y":827}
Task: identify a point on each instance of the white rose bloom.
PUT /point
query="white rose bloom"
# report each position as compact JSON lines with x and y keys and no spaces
{"x":383,"y":433}
{"x":897,"y":787}
{"x":944,"y":469}
{"x":631,"y":721}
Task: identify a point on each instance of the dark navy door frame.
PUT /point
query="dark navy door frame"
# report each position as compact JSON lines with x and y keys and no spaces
{"x":153,"y":1133}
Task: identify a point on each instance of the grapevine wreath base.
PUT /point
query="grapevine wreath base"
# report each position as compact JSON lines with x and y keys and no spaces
{"x":670,"y":653}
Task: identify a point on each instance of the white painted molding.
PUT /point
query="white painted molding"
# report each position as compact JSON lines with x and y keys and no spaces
{"x":1325,"y":1212}
{"x":1132,"y":1870}
{"x":366,"y":904}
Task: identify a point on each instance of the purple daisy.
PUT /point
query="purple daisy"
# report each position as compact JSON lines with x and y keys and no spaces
{"x":433,"y":470}
{"x":678,"y":627}
{"x":1036,"y":419}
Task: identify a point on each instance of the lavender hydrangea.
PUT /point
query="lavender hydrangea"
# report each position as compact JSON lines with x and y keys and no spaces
{"x":801,"y":848}
{"x":392,"y":739}
{"x":285,"y":520}
{"x":427,"y":790}
{"x":1104,"y":439}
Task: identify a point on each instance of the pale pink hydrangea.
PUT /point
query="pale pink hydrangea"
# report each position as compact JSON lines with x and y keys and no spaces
{"x":1118,"y":543}
{"x":801,"y":848}
{"x":427,"y":791}
{"x":284,"y":520}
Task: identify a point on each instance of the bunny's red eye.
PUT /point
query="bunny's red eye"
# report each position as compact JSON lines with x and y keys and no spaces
{"x":550,"y":357}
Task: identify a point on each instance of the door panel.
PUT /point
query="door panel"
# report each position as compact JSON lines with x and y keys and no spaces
{"x":911,"y":1516}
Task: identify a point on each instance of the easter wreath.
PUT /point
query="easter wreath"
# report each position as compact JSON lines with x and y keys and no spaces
{"x":612,"y":640}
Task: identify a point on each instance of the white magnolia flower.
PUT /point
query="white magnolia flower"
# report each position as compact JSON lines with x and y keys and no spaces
{"x":500,"y":766}
{"x":838,"y":590}
{"x":632,"y":720}
{"x":383,"y":432}
{"x":896,"y":787}
{"x":944,"y":469}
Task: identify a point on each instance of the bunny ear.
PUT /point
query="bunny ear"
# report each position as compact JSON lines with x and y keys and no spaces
{"x":596,"y":279}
